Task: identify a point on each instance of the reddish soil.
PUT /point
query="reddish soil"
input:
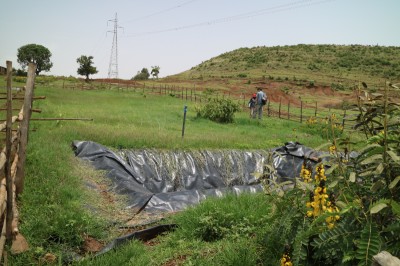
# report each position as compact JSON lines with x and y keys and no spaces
{"x":283,"y":91}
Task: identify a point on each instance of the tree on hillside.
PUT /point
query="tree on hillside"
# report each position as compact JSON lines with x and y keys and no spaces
{"x":35,"y":53}
{"x":86,"y":67}
{"x":142,"y":75}
{"x":155,"y":70}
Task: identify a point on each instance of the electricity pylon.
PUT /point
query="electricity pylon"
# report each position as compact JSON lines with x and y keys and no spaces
{"x":113,"y":67}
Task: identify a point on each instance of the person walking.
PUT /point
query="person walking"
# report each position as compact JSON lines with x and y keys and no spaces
{"x":252,"y":105}
{"x":261,"y":100}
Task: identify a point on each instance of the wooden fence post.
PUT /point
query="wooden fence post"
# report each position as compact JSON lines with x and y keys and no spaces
{"x":344,"y":118}
{"x":301,"y":112}
{"x":280,"y":104}
{"x":9,"y":179}
{"x":316,"y":106}
{"x":268,"y":108}
{"x":24,"y":129}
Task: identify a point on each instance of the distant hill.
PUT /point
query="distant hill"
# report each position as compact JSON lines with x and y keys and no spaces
{"x":322,"y":64}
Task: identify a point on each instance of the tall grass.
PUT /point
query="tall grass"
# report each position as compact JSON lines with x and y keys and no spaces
{"x":216,"y":232}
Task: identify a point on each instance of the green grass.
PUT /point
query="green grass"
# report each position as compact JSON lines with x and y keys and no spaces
{"x":54,"y":210}
{"x":216,"y":232}
{"x":137,"y":120}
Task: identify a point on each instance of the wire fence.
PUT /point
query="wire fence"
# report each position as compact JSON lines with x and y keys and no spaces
{"x":293,"y":110}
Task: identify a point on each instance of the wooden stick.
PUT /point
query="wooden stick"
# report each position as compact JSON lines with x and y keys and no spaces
{"x":61,"y":118}
{"x":15,"y":109}
{"x":3,"y":196}
{"x":2,"y":239}
{"x":22,"y":98}
{"x":7,"y":169}
{"x":24,"y":128}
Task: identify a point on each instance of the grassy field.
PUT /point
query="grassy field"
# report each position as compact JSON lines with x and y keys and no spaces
{"x":53,"y":208}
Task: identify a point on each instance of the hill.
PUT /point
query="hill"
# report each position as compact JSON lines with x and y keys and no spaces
{"x":284,"y":70}
{"x":321,"y":63}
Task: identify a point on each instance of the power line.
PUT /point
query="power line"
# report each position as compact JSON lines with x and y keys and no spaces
{"x":271,"y":10}
{"x":161,"y":11}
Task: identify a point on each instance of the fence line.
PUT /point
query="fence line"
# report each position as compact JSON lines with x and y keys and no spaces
{"x":12,"y":158}
{"x":298,"y":111}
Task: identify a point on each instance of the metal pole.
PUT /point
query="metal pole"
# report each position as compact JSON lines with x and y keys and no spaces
{"x":184,"y":120}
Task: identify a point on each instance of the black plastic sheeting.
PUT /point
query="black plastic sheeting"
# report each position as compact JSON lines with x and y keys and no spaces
{"x":159,"y":180}
{"x":142,"y":235}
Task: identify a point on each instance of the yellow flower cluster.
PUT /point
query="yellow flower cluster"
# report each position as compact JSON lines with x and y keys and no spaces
{"x":332,"y":149}
{"x":320,"y":175}
{"x":332,"y":208}
{"x":306,"y":172}
{"x":312,"y":120}
{"x":320,"y":202}
{"x":285,"y":260}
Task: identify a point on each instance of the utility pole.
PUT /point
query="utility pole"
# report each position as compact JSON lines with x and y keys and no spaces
{"x":113,"y":67}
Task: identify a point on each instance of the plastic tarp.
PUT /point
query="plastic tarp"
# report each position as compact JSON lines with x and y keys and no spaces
{"x":160,"y":180}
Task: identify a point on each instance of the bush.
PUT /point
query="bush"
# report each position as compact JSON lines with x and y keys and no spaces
{"x":219,"y":110}
{"x":142,"y":75}
{"x":352,"y":213}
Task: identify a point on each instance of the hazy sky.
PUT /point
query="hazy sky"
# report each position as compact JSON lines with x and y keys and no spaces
{"x":179,"y":34}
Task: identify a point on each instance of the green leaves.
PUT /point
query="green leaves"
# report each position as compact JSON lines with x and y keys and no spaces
{"x":368,"y":245}
{"x":219,"y":110}
{"x":378,"y":207}
{"x":393,"y":184}
{"x":35,"y":53}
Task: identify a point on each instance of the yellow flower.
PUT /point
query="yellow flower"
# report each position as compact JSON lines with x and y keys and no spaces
{"x":331,"y":226}
{"x":332,"y":149}
{"x":309,"y":213}
{"x":308,"y":204}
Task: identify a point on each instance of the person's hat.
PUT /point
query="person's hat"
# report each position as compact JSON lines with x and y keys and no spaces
{"x":254,"y":95}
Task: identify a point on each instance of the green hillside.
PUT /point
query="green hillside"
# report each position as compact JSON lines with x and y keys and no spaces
{"x":324,"y":64}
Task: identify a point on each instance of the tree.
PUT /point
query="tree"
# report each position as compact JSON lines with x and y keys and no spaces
{"x":35,"y":53}
{"x":155,"y":70}
{"x":85,"y":66}
{"x":142,"y":75}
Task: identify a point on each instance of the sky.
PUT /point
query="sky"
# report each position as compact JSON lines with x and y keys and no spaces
{"x":177,"y":35}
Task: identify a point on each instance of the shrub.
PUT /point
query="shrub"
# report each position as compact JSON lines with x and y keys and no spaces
{"x":352,"y":213}
{"x":219,"y":110}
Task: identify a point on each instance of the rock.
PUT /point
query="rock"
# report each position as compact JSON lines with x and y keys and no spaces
{"x":384,"y":258}
{"x":19,"y":244}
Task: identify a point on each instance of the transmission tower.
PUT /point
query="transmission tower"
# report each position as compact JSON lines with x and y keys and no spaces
{"x":113,"y":67}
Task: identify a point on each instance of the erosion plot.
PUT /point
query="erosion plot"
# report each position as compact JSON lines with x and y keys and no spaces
{"x":168,"y":181}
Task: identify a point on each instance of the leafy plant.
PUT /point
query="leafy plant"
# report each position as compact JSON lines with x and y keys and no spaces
{"x":219,"y":110}
{"x":365,"y":188}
